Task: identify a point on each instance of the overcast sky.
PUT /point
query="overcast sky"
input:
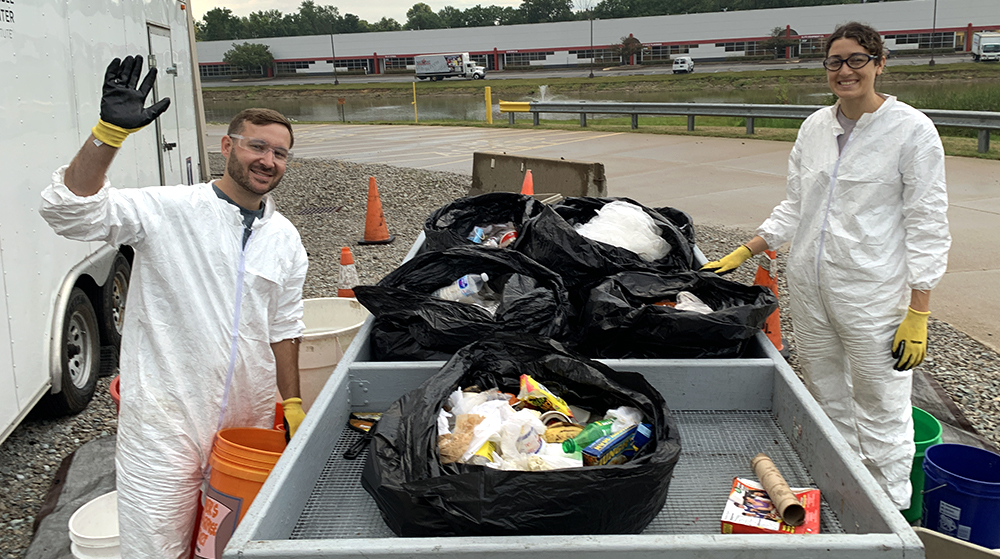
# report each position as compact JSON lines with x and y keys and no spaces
{"x":369,"y":10}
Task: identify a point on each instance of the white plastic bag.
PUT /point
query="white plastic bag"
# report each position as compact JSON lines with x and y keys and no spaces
{"x":521,"y":434}
{"x":624,"y":417}
{"x":494,"y":413}
{"x":471,"y":400}
{"x":687,"y":301}
{"x":627,"y":226}
{"x":444,"y":426}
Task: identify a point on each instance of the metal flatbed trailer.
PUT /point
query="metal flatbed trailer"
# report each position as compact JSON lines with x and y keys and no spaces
{"x":727,"y":410}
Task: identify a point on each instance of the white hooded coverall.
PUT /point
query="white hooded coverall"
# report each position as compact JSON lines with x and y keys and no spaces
{"x":866,"y":226}
{"x":199,"y":306}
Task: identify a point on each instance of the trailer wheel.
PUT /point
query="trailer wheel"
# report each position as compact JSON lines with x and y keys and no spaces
{"x":81,"y":358}
{"x":113,"y":298}
{"x":438,"y":78}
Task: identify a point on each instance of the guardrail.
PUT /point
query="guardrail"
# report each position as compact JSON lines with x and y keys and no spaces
{"x":982,"y":121}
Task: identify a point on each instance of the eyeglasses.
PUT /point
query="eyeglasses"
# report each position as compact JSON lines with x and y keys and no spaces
{"x":856,"y":61}
{"x":260,"y":147}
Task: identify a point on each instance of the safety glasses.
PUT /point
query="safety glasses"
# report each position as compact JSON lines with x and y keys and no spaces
{"x":856,"y":61}
{"x":260,"y":147}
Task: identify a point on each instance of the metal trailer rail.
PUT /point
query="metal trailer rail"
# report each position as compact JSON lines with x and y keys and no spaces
{"x":313,"y":505}
{"x":982,"y":121}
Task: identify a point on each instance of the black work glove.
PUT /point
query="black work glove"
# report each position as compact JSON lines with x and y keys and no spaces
{"x":122,"y":111}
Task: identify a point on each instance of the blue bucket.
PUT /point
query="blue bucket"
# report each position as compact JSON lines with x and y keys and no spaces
{"x":962,"y":493}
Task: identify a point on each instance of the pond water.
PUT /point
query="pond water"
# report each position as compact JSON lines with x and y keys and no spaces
{"x":361,"y":107}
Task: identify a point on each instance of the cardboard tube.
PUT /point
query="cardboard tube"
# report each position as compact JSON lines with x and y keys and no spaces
{"x":785,"y":502}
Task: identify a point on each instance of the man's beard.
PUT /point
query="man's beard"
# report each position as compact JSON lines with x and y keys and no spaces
{"x":240,"y":176}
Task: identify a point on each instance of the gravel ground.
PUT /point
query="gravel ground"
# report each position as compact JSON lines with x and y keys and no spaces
{"x":327,"y":201}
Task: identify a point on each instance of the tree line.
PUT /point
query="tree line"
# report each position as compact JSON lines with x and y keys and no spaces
{"x":311,"y":19}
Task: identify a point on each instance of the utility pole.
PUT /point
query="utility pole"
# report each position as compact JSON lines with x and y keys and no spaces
{"x":933,"y":32}
{"x":333,"y":50}
{"x":590,"y":16}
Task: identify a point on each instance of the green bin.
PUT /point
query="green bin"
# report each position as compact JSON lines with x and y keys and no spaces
{"x":926,"y":432}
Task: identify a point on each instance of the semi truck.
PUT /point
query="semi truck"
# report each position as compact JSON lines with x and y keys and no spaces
{"x":63,"y":301}
{"x":986,"y":46}
{"x":451,"y":65}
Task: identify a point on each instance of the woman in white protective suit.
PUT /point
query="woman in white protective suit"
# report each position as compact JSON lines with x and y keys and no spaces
{"x":865,"y":212}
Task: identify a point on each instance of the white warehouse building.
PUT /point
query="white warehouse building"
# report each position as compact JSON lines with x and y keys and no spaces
{"x":905,"y":25}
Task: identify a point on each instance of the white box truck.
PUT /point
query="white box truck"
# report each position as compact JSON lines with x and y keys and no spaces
{"x":63,"y":300}
{"x":452,"y":65}
{"x":985,"y":46}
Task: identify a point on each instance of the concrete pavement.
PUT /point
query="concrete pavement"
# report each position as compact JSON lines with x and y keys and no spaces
{"x":719,"y":181}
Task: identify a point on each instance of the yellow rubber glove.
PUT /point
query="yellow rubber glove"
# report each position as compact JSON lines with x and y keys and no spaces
{"x":293,"y":416}
{"x":729,"y":262}
{"x":910,"y":344}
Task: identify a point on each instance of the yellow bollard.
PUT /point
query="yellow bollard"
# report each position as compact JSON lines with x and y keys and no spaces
{"x":489,"y":106}
{"x":415,"y":102}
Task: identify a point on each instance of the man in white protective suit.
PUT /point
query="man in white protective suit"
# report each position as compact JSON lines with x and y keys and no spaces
{"x":866,"y":215}
{"x":214,"y":312}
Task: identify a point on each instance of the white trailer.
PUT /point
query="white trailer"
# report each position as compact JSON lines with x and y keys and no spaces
{"x":441,"y":66}
{"x":63,"y":301}
{"x":985,"y":46}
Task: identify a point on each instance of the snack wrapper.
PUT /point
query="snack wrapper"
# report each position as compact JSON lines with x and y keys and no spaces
{"x":539,"y":397}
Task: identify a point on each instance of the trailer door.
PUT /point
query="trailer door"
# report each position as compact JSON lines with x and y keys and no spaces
{"x":161,"y":55}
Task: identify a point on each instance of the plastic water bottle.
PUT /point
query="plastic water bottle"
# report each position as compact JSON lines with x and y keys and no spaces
{"x":590,"y":433}
{"x":464,"y":287}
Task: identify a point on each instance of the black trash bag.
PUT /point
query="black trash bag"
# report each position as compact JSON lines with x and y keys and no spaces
{"x":681,"y":220}
{"x":620,"y":321}
{"x":410,"y":324}
{"x":550,"y":239}
{"x":418,"y":496}
{"x":451,"y":224}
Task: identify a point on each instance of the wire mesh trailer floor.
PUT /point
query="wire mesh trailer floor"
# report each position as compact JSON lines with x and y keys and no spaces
{"x":716,"y":446}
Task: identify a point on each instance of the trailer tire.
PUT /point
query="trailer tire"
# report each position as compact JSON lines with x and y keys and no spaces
{"x":438,"y":78}
{"x":113,"y":298}
{"x":80,"y":358}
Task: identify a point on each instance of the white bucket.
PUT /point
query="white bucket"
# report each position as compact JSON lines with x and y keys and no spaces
{"x":93,"y":529}
{"x":331,"y":323}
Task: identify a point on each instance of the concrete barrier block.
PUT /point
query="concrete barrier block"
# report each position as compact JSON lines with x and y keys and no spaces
{"x":500,"y":172}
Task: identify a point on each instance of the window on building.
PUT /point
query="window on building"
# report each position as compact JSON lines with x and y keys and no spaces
{"x":524,"y":58}
{"x":814,"y":46}
{"x":924,"y":40}
{"x":596,"y":54}
{"x":398,"y":62}
{"x":210,"y":71}
{"x":664,"y":52}
{"x":292,"y":67}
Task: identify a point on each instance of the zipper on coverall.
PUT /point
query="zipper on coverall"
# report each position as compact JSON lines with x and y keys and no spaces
{"x":240,"y":274}
{"x":233,"y":346}
{"x":829,"y":203}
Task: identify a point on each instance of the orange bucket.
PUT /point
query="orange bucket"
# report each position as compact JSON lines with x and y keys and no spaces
{"x":114,"y":389}
{"x":241,"y":460}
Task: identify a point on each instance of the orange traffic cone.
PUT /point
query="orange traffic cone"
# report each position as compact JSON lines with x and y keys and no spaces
{"x":528,"y":187}
{"x":767,"y":276}
{"x":348,"y":274}
{"x":376,"y":232}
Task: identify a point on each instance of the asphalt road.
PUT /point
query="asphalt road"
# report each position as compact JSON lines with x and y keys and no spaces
{"x":708,"y":67}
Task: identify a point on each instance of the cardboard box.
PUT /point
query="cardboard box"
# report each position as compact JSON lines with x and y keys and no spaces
{"x":609,"y":449}
{"x":749,"y":511}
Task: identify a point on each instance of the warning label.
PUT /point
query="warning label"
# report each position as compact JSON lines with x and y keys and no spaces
{"x":6,"y":18}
